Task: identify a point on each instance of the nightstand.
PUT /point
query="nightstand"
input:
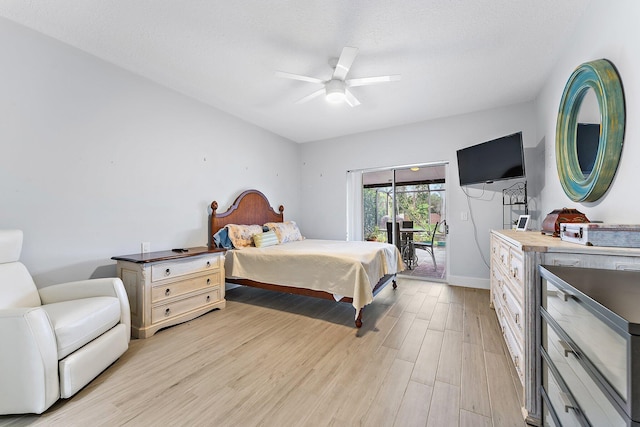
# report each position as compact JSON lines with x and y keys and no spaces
{"x":166,"y":288}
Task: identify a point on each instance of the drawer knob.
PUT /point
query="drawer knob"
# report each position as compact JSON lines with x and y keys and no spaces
{"x":515,"y":272}
{"x":208,"y":298}
{"x":167,"y":272}
{"x":167,"y":292}
{"x":167,"y":312}
{"x":566,"y":401}
{"x":564,"y":296}
{"x":208,"y":281}
{"x":566,"y":348}
{"x":208,"y":264}
{"x":517,"y":316}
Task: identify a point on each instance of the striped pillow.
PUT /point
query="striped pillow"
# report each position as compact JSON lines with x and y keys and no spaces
{"x":265,"y":239}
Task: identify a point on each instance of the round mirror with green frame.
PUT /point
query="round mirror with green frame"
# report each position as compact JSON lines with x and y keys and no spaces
{"x":600,"y":78}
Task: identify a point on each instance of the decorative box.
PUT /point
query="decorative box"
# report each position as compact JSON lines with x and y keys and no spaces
{"x":551,"y":224}
{"x":596,"y":234}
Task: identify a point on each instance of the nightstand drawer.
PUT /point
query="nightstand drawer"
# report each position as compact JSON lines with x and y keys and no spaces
{"x":170,"y":269}
{"x":170,"y":290}
{"x":181,"y":306}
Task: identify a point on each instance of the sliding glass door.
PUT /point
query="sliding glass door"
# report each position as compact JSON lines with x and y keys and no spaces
{"x":414,"y":200}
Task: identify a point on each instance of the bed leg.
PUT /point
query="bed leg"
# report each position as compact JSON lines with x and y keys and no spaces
{"x":395,"y":285}
{"x":359,"y":318}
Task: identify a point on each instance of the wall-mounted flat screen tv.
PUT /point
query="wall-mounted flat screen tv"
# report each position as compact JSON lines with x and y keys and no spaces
{"x":495,"y":160}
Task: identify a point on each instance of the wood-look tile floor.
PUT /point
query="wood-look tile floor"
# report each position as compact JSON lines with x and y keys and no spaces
{"x":428,"y":354}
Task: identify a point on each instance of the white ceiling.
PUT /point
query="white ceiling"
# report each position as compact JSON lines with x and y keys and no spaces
{"x":454,"y":56}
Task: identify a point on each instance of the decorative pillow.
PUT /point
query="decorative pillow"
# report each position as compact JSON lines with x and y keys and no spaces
{"x":265,"y":239}
{"x":287,"y":231}
{"x":241,"y":235}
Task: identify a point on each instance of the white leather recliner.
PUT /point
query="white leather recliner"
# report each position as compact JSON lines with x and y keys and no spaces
{"x":54,"y":340}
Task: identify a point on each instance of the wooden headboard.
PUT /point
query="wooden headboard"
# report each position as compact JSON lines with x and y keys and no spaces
{"x":250,"y":207}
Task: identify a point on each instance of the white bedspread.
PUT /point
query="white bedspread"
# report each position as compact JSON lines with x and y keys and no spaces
{"x":343,"y":268}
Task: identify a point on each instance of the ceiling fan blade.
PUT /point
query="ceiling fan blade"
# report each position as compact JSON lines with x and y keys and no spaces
{"x":344,"y":62}
{"x":351,"y":100}
{"x":372,"y":80}
{"x":310,"y":96}
{"x":286,"y":75}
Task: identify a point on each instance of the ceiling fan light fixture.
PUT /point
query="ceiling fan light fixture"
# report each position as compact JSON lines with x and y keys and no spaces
{"x":335,"y":91}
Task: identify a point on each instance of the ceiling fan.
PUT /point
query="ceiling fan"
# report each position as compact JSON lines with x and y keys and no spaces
{"x":337,"y":87}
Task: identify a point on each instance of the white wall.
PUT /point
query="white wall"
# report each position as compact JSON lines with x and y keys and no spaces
{"x":95,"y":160}
{"x":608,"y":30}
{"x":325,"y":163}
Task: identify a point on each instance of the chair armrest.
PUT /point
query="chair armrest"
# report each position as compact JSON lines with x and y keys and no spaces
{"x":80,"y":289}
{"x":106,"y":287}
{"x":28,"y":361}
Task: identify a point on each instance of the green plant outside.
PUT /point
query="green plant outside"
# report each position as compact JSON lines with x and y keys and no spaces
{"x":415,"y":203}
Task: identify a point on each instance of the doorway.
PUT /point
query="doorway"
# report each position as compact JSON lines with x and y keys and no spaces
{"x":414,"y":199}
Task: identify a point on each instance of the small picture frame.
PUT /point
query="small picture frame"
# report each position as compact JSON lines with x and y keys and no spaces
{"x":523,"y":223}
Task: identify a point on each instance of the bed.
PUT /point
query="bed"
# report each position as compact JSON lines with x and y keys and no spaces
{"x":352,"y":272}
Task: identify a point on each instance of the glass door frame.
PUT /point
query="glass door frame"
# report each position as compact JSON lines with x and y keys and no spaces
{"x":355,"y":210}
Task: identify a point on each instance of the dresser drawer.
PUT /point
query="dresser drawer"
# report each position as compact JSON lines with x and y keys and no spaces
{"x":495,"y":247}
{"x":500,"y":279}
{"x":512,"y":339}
{"x":172,"y":289}
{"x":512,"y":307}
{"x":516,"y":289}
{"x":605,"y":348}
{"x":503,"y":255}
{"x":549,"y":416}
{"x":560,"y":400}
{"x":181,"y":306}
{"x":595,"y":404}
{"x":498,"y":276}
{"x":516,"y":267}
{"x":607,"y":262}
{"x":170,"y":269}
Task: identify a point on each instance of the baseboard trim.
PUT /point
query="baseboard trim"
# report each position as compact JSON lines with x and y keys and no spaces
{"x":469,"y":282}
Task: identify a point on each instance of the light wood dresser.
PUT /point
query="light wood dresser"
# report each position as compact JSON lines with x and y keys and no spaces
{"x":166,"y":288}
{"x":515,"y":294}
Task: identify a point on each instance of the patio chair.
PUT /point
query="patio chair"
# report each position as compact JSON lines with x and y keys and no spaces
{"x":428,"y":246}
{"x":390,"y":235}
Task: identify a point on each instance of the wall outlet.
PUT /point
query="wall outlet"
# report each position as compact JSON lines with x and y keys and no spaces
{"x":145,"y":247}
{"x":464,"y":216}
